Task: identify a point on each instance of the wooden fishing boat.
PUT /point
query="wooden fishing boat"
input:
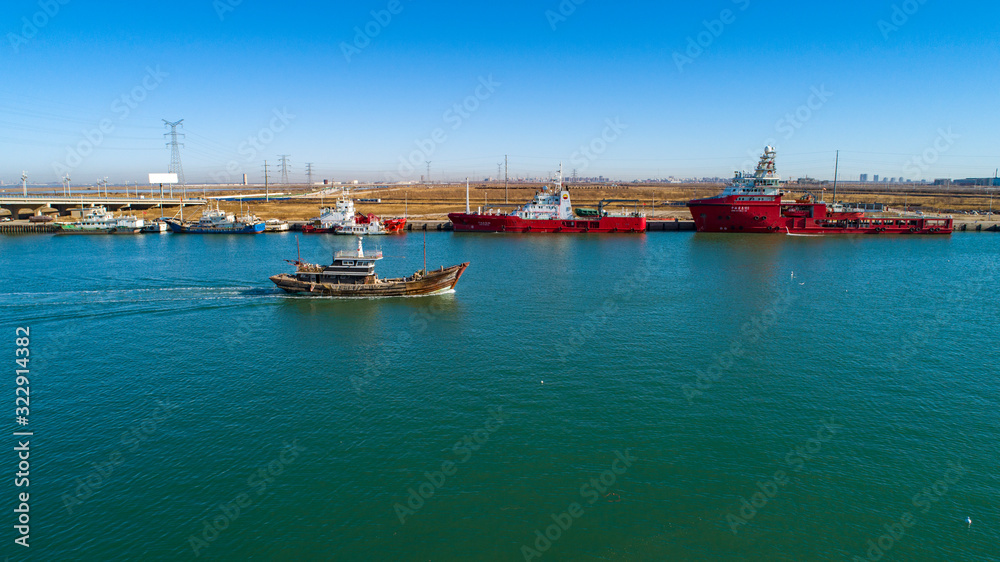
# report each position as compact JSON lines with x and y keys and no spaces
{"x":352,"y":274}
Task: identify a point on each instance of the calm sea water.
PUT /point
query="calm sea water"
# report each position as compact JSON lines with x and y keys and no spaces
{"x":742,"y":398}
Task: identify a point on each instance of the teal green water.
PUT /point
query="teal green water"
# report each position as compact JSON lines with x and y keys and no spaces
{"x":182,"y":408}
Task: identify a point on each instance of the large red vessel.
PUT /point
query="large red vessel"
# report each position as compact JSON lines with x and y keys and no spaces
{"x":549,"y":211}
{"x":754,"y":204}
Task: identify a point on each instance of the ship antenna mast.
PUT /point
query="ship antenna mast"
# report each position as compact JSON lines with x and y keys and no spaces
{"x":298,"y":251}
{"x":425,"y":252}
{"x":836,"y":170}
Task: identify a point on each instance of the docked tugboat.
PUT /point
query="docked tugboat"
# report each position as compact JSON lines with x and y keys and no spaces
{"x":755,"y":204}
{"x":549,"y":211}
{"x":352,"y":274}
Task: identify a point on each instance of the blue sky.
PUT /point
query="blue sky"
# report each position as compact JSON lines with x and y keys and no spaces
{"x":918,"y":99}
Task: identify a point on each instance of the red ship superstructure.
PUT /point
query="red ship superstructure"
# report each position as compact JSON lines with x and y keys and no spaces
{"x":754,"y":204}
{"x":549,"y":211}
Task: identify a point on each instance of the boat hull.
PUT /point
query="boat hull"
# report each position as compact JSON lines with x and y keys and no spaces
{"x":751,"y":217}
{"x":181,"y":228}
{"x":463,"y":222}
{"x":431,"y":283}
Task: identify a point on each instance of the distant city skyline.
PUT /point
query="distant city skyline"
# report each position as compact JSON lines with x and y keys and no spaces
{"x":374,"y":90}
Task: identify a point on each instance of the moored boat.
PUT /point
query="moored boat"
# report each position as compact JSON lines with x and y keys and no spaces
{"x":755,"y":204}
{"x":344,"y":219}
{"x":98,"y":220}
{"x":217,"y":221}
{"x":275,"y":225}
{"x":155,"y":227}
{"x":549,"y":211}
{"x":352,"y":274}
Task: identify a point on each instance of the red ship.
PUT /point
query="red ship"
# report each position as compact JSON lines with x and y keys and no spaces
{"x":549,"y":211}
{"x":754,"y":204}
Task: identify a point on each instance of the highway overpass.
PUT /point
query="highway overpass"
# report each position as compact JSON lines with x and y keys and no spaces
{"x":37,"y":204}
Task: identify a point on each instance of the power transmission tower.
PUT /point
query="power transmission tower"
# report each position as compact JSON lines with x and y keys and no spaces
{"x":574,"y":175}
{"x":175,"y":150}
{"x":428,"y":171}
{"x":309,"y":172}
{"x":499,"y":169}
{"x":505,"y":201}
{"x":284,"y":168}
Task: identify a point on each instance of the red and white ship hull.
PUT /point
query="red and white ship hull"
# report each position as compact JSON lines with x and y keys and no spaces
{"x":754,"y":204}
{"x":510,"y":223}
{"x":725,"y":214}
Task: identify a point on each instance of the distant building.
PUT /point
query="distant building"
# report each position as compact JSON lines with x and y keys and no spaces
{"x":876,"y":178}
{"x":977,"y":182}
{"x":943,"y":181}
{"x":864,"y":178}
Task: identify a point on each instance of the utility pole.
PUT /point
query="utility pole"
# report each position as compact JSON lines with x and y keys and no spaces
{"x":428,"y":171}
{"x":309,"y":173}
{"x":24,"y":183}
{"x":66,"y":185}
{"x":284,"y":169}
{"x":175,"y":150}
{"x":267,"y":194}
{"x":505,"y":198}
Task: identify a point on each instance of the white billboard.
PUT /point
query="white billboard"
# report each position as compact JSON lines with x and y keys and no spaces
{"x":162,"y":178}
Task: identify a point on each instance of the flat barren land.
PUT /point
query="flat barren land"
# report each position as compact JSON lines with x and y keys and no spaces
{"x":657,"y":201}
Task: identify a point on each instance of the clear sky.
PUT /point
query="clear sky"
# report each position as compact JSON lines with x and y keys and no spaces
{"x":915,"y":96}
